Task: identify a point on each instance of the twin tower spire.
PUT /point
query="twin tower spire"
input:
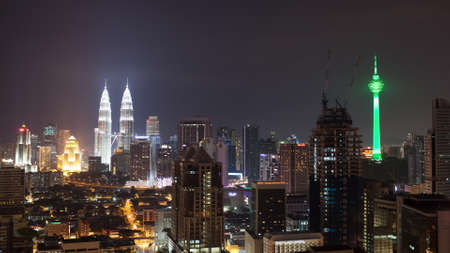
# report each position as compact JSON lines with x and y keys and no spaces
{"x":103,"y":134}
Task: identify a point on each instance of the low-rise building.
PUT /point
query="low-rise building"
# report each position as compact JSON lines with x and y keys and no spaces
{"x":285,"y":242}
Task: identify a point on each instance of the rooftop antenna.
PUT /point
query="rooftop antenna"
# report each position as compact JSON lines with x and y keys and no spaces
{"x":325,"y":88}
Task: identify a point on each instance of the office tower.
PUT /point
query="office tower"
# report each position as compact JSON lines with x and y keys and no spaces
{"x":250,"y":146}
{"x":424,"y":223}
{"x":103,"y":131}
{"x":95,"y":164}
{"x":335,"y":147}
{"x":197,"y":204}
{"x":7,"y":152}
{"x":23,"y":148}
{"x":126,"y":120}
{"x":231,"y":140}
{"x":120,"y":163}
{"x":268,"y":208}
{"x":35,"y":143}
{"x":165,"y":161}
{"x":376,"y":86}
{"x":63,"y":136}
{"x":437,"y":148}
{"x":50,"y":139}
{"x":140,"y":159}
{"x":152,"y":125}
{"x":294,"y":166}
{"x":49,"y":135}
{"x":193,"y":130}
{"x":152,"y":129}
{"x":268,"y":146}
{"x":45,"y":158}
{"x":414,"y":151}
{"x":222,"y":157}
{"x":269,"y":167}
{"x":70,"y":160}
{"x":12,"y":191}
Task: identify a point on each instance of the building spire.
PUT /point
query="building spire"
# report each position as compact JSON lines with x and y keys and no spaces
{"x":106,"y":83}
{"x":127,"y":82}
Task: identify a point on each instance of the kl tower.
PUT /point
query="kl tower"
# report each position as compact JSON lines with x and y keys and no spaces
{"x":376,"y":86}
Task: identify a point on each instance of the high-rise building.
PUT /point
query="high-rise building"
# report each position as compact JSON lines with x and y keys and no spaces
{"x":23,"y":148}
{"x":222,"y":154}
{"x":335,"y":148}
{"x":49,"y":135}
{"x":376,"y":86}
{"x":165,"y":161}
{"x":95,"y":164}
{"x":7,"y":152}
{"x":294,"y":166}
{"x":269,"y":167}
{"x":424,"y":224}
{"x":152,"y":129}
{"x":250,"y":147}
{"x":152,"y":125}
{"x":414,"y":152}
{"x":45,"y":158}
{"x":49,"y":138}
{"x":197,"y":204}
{"x":126,"y":120}
{"x":103,"y":131}
{"x":120,"y":162}
{"x":268,"y":207}
{"x":140,"y":159}
{"x":437,"y":149}
{"x":63,"y":136}
{"x":70,"y":160}
{"x":12,"y":191}
{"x":35,"y":143}
{"x":193,"y":130}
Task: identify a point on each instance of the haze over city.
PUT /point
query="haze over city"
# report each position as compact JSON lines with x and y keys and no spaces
{"x":234,"y":62}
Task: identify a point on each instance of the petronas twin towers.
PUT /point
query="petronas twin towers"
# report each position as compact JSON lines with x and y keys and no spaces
{"x":103,"y":135}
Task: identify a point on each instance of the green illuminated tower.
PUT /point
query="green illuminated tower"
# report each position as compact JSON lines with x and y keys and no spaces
{"x":376,"y":86}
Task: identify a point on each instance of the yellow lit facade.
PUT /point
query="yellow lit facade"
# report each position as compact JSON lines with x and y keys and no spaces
{"x":70,"y":160}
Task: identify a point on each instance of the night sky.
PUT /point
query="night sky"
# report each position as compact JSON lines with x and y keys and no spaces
{"x":235,"y":62}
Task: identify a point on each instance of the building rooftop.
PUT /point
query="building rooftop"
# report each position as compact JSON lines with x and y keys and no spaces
{"x":289,"y":236}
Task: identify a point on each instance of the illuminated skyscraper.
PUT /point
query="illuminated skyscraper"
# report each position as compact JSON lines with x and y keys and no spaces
{"x":152,"y":130}
{"x":152,"y":125}
{"x":70,"y":160}
{"x":193,"y":130}
{"x":376,"y":86}
{"x":103,"y":132}
{"x":23,"y":148}
{"x":49,"y":140}
{"x":197,"y":204}
{"x":437,"y":149}
{"x":294,"y":166}
{"x":126,"y":120}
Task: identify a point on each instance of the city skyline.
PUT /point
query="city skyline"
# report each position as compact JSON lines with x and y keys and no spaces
{"x":290,"y":76}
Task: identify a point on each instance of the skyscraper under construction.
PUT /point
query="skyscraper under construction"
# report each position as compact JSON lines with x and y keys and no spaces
{"x":335,"y":164}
